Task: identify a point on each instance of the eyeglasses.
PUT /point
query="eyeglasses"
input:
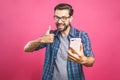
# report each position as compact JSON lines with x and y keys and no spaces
{"x":63,"y":18}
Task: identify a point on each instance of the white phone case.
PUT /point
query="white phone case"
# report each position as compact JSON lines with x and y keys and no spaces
{"x":75,"y":43}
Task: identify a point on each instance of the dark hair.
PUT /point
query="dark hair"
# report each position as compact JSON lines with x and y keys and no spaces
{"x":62,"y":6}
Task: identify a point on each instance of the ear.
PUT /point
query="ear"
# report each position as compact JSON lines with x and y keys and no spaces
{"x":71,"y":18}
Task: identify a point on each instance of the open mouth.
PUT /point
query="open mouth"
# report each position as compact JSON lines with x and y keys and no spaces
{"x":60,"y":25}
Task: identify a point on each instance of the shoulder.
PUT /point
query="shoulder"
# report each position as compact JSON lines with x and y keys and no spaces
{"x":80,"y":32}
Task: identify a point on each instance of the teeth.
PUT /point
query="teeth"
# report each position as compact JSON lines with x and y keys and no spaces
{"x":61,"y":26}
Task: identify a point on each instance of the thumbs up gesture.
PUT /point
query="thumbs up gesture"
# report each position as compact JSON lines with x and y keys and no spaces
{"x":47,"y":38}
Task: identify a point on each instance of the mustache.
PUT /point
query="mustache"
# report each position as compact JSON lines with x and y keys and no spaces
{"x":58,"y":24}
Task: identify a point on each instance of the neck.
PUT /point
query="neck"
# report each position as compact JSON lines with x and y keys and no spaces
{"x":66,"y":32}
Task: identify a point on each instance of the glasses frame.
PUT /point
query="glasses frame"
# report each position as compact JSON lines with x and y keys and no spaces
{"x":63,"y":18}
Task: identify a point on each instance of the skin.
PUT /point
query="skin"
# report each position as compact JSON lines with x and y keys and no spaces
{"x":64,"y":28}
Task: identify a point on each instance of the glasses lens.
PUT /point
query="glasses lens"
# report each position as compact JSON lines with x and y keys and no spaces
{"x":64,"y":18}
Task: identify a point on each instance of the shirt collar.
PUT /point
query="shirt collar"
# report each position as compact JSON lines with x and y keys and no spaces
{"x":72,"y":32}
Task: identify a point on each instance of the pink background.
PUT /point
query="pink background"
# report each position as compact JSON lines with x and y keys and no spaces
{"x":25,"y":20}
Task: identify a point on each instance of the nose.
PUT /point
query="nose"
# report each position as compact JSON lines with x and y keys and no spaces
{"x":59,"y":21}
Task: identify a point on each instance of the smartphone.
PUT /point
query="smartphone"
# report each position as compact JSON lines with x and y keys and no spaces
{"x":75,"y":44}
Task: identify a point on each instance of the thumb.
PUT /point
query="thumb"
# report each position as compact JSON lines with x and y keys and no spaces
{"x":48,"y":31}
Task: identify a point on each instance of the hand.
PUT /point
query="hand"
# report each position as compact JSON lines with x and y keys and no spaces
{"x":47,"y":38}
{"x":77,"y":57}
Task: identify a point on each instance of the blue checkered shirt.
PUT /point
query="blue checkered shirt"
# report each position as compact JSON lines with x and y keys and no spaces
{"x":75,"y":71}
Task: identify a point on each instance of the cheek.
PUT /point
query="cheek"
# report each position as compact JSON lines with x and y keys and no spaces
{"x":67,"y":23}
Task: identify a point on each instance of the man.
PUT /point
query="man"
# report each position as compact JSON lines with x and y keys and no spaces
{"x":63,"y":62}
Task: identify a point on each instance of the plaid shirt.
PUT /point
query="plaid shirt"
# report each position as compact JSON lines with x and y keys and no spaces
{"x":75,"y":71}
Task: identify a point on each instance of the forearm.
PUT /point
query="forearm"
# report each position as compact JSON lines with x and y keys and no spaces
{"x":32,"y":45}
{"x":88,"y":61}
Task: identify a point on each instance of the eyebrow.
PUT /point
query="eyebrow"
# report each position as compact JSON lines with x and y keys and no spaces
{"x":61,"y":16}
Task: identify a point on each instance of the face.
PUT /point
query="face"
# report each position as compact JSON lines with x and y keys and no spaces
{"x":62,"y":19}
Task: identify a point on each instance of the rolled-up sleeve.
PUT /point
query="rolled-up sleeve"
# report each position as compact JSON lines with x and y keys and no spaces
{"x":87,"y":45}
{"x":41,"y":46}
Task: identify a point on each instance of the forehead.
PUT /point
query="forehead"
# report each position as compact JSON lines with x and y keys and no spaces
{"x":61,"y":13}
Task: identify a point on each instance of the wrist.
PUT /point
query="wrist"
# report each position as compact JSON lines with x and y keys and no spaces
{"x":42,"y":40}
{"x":84,"y":60}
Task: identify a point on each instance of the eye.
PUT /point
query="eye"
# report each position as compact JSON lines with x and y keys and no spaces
{"x":64,"y":18}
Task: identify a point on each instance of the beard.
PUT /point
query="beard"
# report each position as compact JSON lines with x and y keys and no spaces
{"x":62,"y":26}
